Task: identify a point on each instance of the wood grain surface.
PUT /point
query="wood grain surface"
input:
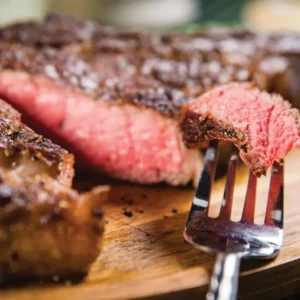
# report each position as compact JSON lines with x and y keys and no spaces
{"x":144,"y":256}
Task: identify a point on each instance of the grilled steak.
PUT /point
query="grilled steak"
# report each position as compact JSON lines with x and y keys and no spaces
{"x":114,"y":98}
{"x":46,"y":228}
{"x":125,"y":136}
{"x":263,"y":126}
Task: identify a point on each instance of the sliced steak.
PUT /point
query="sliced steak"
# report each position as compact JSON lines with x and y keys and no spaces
{"x":114,"y":97}
{"x":261,"y":125}
{"x":46,"y":228}
{"x":125,"y":127}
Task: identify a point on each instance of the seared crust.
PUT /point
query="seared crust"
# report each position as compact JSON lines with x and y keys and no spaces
{"x":17,"y":141}
{"x":160,"y":83}
{"x":160,"y":71}
{"x":109,"y":85}
{"x":46,"y":228}
{"x":16,"y":135}
{"x":163,"y":72}
{"x":198,"y":129}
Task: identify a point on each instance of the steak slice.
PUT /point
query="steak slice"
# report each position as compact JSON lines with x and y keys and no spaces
{"x":124,"y":126}
{"x":46,"y":228}
{"x":261,"y":125}
{"x":56,"y":30}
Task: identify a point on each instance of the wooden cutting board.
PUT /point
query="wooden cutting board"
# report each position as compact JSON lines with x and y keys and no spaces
{"x":144,"y":256}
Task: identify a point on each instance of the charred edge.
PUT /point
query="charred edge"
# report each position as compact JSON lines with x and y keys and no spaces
{"x":197,"y":128}
{"x":57,"y":65}
{"x":245,"y":147}
{"x":191,"y":129}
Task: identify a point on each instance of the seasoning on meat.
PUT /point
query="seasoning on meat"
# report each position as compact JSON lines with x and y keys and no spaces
{"x":47,"y":230}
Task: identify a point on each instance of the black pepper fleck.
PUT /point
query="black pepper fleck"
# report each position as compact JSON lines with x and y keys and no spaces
{"x":98,"y":213}
{"x":174,"y":211}
{"x":130,"y":201}
{"x":244,"y":147}
{"x":15,"y":256}
{"x":144,"y":196}
{"x":128,"y":213}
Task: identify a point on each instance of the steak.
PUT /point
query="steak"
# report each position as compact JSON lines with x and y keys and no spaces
{"x":46,"y":228}
{"x":131,"y":134}
{"x":114,"y":98}
{"x":263,"y":126}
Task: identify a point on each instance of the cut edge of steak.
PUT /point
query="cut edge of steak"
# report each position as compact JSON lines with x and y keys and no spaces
{"x":123,"y":140}
{"x":262,"y":126}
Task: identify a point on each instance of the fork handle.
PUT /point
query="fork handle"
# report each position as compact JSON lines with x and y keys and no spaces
{"x":224,"y":280}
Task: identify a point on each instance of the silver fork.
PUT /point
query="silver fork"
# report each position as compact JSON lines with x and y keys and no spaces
{"x":234,"y":240}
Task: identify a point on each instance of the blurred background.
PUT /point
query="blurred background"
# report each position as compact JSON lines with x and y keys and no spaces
{"x":164,"y":14}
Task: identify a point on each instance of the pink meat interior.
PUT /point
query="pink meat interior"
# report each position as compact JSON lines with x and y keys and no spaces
{"x":268,"y":123}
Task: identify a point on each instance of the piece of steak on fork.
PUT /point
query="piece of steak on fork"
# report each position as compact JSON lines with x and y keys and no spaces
{"x":263,"y":126}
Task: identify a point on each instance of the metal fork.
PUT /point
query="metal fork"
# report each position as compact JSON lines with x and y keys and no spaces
{"x":234,"y":240}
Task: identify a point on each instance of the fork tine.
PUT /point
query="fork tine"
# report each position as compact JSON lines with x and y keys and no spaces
{"x":229,"y":188}
{"x":274,"y":212}
{"x":249,"y":206}
{"x":203,"y":191}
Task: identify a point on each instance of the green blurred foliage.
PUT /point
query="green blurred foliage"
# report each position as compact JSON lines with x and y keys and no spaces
{"x":228,"y":11}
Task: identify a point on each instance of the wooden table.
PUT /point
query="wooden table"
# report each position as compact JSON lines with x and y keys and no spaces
{"x":144,"y":256}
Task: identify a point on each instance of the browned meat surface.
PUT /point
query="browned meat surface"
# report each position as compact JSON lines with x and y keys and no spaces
{"x":46,"y":228}
{"x":103,"y":58}
{"x":194,"y":61}
{"x":28,"y":153}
